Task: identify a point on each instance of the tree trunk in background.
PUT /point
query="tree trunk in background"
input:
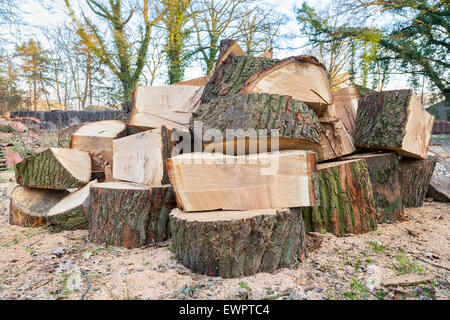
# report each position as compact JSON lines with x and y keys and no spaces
{"x":415,"y":177}
{"x":344,"y":199}
{"x":238,"y":244}
{"x":129,"y":215}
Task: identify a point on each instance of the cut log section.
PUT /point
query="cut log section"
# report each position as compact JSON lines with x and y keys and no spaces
{"x":29,"y":207}
{"x":394,"y":120}
{"x":383,"y":171}
{"x":169,"y":106}
{"x":236,"y":244}
{"x":242,"y":124}
{"x":141,"y":157}
{"x":344,"y":199}
{"x":247,"y":117}
{"x":55,"y":168}
{"x":72,"y":212}
{"x":415,"y":177}
{"x":213,"y":181}
{"x":96,"y":139}
{"x":129,"y":215}
{"x":334,"y":140}
{"x":200,"y":82}
{"x":345,"y":108}
{"x":439,"y":188}
{"x":303,"y":78}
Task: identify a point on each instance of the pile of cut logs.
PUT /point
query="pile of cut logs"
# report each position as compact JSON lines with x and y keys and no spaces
{"x":278,"y":154}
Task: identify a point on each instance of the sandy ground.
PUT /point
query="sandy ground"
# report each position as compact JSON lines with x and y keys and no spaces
{"x":408,"y":260}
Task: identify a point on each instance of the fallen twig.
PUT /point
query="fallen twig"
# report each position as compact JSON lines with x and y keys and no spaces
{"x":83,"y":296}
{"x":434,"y":265}
{"x":276,"y":296}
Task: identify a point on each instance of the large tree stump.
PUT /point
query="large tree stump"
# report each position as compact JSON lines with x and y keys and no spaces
{"x":394,"y":120}
{"x":55,"y":168}
{"x":96,"y":138}
{"x":383,"y":171}
{"x":129,"y":215}
{"x":141,"y":157}
{"x":344,"y":199}
{"x":439,"y":188}
{"x":207,"y":181}
{"x":29,"y":207}
{"x":303,"y":78}
{"x":415,"y":177}
{"x":72,"y":212}
{"x":234,"y":244}
{"x":169,"y":106}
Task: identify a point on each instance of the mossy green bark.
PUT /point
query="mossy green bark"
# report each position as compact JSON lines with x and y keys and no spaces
{"x":381,"y":119}
{"x":344,"y":201}
{"x":240,"y":247}
{"x":70,"y":220}
{"x":291,"y":118}
{"x":233,"y":73}
{"x":44,"y":171}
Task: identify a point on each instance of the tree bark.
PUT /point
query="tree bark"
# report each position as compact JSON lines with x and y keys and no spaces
{"x":384,"y":177}
{"x":129,"y":215}
{"x":238,"y":244}
{"x":55,"y":168}
{"x":29,"y":207}
{"x":415,"y":177}
{"x":394,"y":120}
{"x":248,"y":114}
{"x":303,"y":78}
{"x":344,"y":199}
{"x":71,"y":213}
{"x":439,"y":188}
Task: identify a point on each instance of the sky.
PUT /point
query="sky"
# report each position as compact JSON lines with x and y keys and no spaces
{"x":38,"y":16}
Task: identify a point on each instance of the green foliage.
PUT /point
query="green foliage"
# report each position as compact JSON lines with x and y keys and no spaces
{"x":404,"y":265}
{"x":416,"y":40}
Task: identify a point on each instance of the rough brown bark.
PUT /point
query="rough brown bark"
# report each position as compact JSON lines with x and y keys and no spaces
{"x":55,"y":168}
{"x":129,"y":215}
{"x":394,"y":120}
{"x":253,"y":115}
{"x":240,"y":74}
{"x":439,"y":188}
{"x":344,"y":199}
{"x":415,"y":177}
{"x":236,"y":244}
{"x":383,"y":171}
{"x":29,"y":207}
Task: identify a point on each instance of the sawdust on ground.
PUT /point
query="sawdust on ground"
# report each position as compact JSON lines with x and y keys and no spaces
{"x":408,"y":260}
